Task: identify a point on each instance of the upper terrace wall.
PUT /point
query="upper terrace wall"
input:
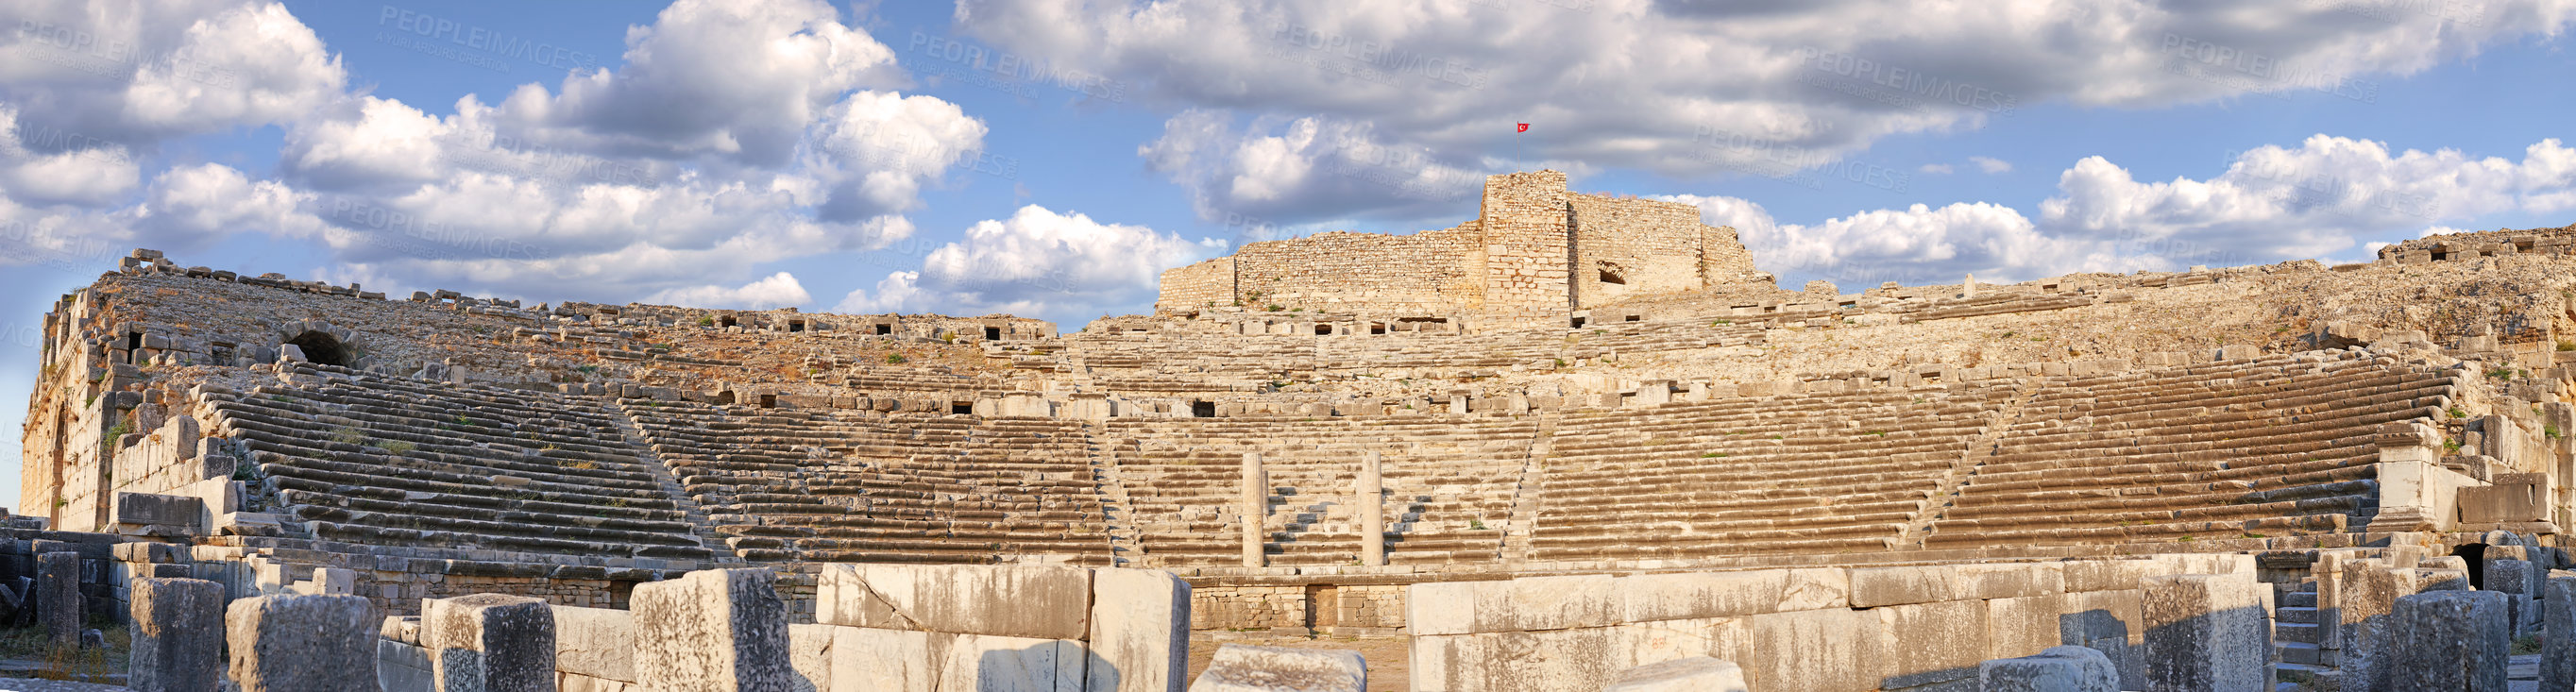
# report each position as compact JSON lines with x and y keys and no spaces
{"x":1533,"y":248}
{"x":1424,"y":272}
{"x":1624,"y":247}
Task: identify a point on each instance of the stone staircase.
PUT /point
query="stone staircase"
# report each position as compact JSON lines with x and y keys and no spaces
{"x":2297,"y":650}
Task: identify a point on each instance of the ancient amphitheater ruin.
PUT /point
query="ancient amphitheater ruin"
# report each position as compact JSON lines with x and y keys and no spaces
{"x":1578,"y":442}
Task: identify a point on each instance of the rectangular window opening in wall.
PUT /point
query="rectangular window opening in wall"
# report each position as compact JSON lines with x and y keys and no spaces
{"x":796,"y":325}
{"x":885,"y":329}
{"x":1851,"y":304}
{"x":1202,"y":409}
{"x":725,"y":321}
{"x":1634,"y":318}
{"x":1377,"y":327}
{"x":992,"y":333}
{"x":769,"y":401}
{"x":1323,"y":330}
{"x":1577,"y":323}
{"x":2440,"y":255}
{"x":962,"y":408}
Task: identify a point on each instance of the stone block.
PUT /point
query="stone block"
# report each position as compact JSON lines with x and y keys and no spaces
{"x":2207,"y":632}
{"x":1816,"y":650}
{"x":1928,"y":643}
{"x":1694,"y":674}
{"x":712,"y":631}
{"x":1884,"y":586}
{"x":300,"y":643}
{"x":178,"y":628}
{"x":489,"y":643}
{"x":595,"y":642}
{"x":1688,"y":595}
{"x":1568,"y":659}
{"x":58,"y":595}
{"x":2024,"y":626}
{"x":1518,"y":605}
{"x":2521,"y":580}
{"x":809,"y":651}
{"x":2448,"y":640}
{"x":1241,"y":668}
{"x":1039,"y":602}
{"x":2558,"y":634}
{"x":1642,"y":643}
{"x":1140,"y":631}
{"x":877,"y":660}
{"x":147,"y":509}
{"x":2010,"y":580}
{"x":2057,"y":669}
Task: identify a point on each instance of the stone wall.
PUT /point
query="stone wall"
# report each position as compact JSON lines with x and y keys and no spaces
{"x":1625,"y":247}
{"x":1526,"y":242}
{"x":1206,"y":284}
{"x":1534,"y":250}
{"x":1344,"y":609}
{"x":1424,"y":273}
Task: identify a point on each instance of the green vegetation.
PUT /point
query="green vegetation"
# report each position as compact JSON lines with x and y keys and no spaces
{"x":1476,"y":524}
{"x":349,"y":436}
{"x":706,"y":321}
{"x":398,"y":447}
{"x":2526,"y":645}
{"x":894,"y":358}
{"x":2457,"y":413}
{"x":1713,"y":455}
{"x":2452,"y":446}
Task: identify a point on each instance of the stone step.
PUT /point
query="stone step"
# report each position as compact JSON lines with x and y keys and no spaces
{"x":2305,"y":615}
{"x":2303,"y":654}
{"x":2299,"y":599}
{"x":2304,"y":633}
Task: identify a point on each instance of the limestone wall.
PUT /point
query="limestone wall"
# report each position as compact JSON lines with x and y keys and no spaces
{"x":1526,"y":241}
{"x":1624,"y":247}
{"x":1206,"y":284}
{"x":1428,"y":272}
{"x":1345,"y":609}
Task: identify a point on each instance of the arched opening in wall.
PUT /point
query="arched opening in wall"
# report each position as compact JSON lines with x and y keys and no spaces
{"x":1202,"y":409}
{"x":2441,"y":253}
{"x":323,"y":348}
{"x":992,"y":333}
{"x":725,"y":321}
{"x":2476,"y":555}
{"x":724,"y":398}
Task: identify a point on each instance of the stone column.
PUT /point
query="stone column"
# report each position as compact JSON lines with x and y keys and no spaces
{"x":718,"y":630}
{"x":2449,"y":640}
{"x":490,"y":643}
{"x":178,"y":635}
{"x":58,"y":596}
{"x":299,"y":642}
{"x":2207,"y":632}
{"x":1254,"y":508}
{"x":1372,"y":511}
{"x":2558,"y":636}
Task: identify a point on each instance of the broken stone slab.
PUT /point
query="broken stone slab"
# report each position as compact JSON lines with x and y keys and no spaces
{"x":719,"y":630}
{"x":490,"y":643}
{"x":595,"y":642}
{"x":1140,"y":631}
{"x":1243,"y":668}
{"x":2207,"y":632}
{"x":58,"y":596}
{"x":881,"y":660}
{"x":2057,"y":669}
{"x":2558,"y":633}
{"x":300,"y":643}
{"x":178,"y":635}
{"x":1516,"y":605}
{"x":1693,"y":674}
{"x":1039,"y":602}
{"x":2449,"y":640}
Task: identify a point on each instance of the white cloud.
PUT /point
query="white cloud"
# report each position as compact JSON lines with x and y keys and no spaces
{"x":1036,"y":261}
{"x":1991,"y":165}
{"x":898,"y":292}
{"x":1808,"y":82}
{"x":1935,"y":168}
{"x":2320,"y":199}
{"x":134,"y":72}
{"x":1288,"y":169}
{"x":777,"y":291}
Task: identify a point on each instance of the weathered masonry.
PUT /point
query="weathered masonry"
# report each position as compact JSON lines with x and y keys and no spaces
{"x":1535,"y":248}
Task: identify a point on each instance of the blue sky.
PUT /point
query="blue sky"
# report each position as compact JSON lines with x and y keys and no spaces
{"x":1049,"y":157}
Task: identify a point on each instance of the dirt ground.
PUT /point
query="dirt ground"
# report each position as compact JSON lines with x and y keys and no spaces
{"x":1387,"y":656}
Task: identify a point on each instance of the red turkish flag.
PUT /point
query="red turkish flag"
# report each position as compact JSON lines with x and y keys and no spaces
{"x":1524,"y":127}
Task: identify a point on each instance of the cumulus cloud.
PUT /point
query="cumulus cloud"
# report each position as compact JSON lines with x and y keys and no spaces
{"x":1991,"y":165}
{"x":132,"y":72}
{"x":1291,"y":170}
{"x":2322,"y":198}
{"x":1038,"y":260}
{"x":1813,"y":82}
{"x":1935,"y":168}
{"x":777,"y":291}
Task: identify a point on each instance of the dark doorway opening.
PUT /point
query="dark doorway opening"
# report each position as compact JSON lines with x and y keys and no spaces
{"x":962,"y":408}
{"x":1202,"y":409}
{"x":885,"y":329}
{"x":2476,"y":555}
{"x":322,"y":348}
{"x":1323,"y":330}
{"x":992,"y":333}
